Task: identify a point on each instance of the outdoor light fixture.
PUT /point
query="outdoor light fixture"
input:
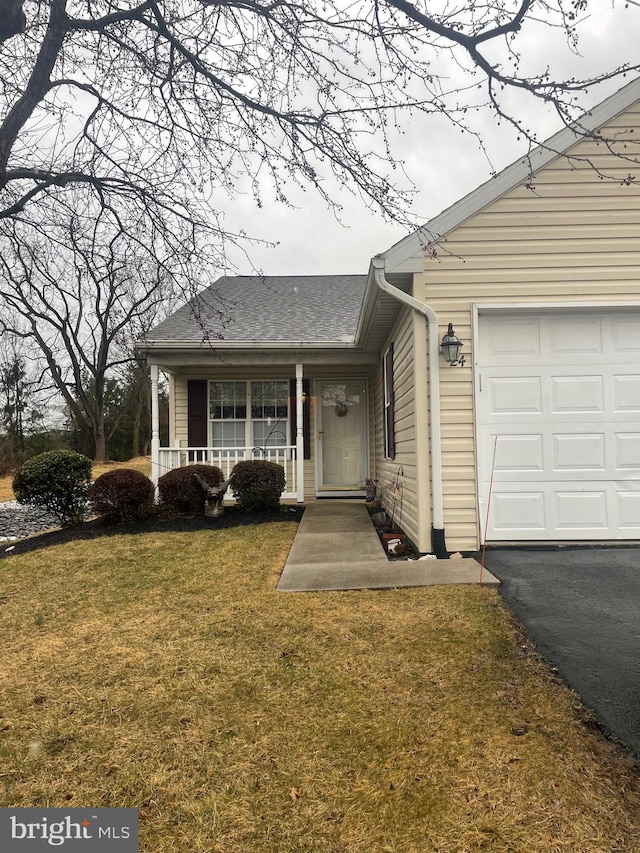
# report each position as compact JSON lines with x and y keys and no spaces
{"x":451,"y":346}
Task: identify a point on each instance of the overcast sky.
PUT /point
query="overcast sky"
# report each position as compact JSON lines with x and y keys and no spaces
{"x":443,"y":163}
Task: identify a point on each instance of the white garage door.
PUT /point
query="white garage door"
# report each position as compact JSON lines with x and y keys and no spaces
{"x":562,"y":394}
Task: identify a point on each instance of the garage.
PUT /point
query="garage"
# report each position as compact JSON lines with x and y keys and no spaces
{"x":558,"y":423}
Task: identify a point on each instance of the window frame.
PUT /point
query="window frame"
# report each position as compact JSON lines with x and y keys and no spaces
{"x":388,"y":404}
{"x":249,"y":421}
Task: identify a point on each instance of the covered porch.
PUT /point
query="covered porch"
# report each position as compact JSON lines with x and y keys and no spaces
{"x":315,"y":419}
{"x":284,"y":447}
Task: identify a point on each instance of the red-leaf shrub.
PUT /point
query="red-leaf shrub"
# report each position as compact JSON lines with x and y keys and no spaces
{"x":122,"y":495}
{"x":180,"y":490}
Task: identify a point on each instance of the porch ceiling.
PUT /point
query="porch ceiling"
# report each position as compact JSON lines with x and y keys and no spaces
{"x":379,"y":314}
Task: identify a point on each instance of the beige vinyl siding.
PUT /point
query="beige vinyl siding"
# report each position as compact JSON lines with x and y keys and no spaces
{"x":178,"y":388}
{"x":180,"y":430}
{"x":403,"y":501}
{"x":172,"y":410}
{"x":570,"y":236}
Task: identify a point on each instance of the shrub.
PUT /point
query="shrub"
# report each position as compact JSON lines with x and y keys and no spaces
{"x":180,"y":490}
{"x":257,"y":485}
{"x":58,"y":481}
{"x":122,"y":495}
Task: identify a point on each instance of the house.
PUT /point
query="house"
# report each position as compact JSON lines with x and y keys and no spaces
{"x":534,"y":437}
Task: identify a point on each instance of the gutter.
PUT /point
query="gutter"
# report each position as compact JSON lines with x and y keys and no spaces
{"x":437,"y":539}
{"x":222,"y":344}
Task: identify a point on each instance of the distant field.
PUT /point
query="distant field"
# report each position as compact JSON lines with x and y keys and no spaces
{"x":140,"y":463}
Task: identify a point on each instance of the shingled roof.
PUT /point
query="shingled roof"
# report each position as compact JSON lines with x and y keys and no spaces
{"x":268,"y":309}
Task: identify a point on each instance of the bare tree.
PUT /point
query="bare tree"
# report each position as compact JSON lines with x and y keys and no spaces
{"x":24,"y":399}
{"x":80,"y":290}
{"x":169,"y":107}
{"x":125,"y":128}
{"x":14,"y":394}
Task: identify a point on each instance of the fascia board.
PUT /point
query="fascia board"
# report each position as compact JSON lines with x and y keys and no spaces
{"x":150,"y":346}
{"x":366,"y":310}
{"x":406,"y":252}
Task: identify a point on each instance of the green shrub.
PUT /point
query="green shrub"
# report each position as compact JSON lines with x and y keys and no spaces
{"x":58,"y":481}
{"x":180,"y":490}
{"x":257,"y":485}
{"x":122,"y":495}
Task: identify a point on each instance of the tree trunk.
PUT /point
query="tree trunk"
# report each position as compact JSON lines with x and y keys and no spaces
{"x":100,"y":439}
{"x":137,"y":419}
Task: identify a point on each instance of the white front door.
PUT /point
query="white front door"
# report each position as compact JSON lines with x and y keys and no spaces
{"x":561,"y":391}
{"x":342,"y":434}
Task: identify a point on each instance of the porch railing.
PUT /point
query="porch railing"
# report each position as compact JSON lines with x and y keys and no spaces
{"x":226,"y":458}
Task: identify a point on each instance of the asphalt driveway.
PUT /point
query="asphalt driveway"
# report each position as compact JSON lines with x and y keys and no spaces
{"x":581,"y":607}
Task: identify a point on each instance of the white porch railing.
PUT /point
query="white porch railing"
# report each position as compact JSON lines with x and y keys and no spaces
{"x":226,"y":457}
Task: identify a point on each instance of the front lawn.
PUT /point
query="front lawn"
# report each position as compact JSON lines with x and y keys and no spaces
{"x":163,"y":671}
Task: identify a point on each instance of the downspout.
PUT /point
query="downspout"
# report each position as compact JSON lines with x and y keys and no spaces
{"x":437,"y":534}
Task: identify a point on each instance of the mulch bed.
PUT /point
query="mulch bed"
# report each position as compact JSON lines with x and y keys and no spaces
{"x":97,"y":528}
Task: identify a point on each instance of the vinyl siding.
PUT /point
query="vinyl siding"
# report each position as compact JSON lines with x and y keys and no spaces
{"x":398,"y":484}
{"x":570,"y":236}
{"x":172,"y":410}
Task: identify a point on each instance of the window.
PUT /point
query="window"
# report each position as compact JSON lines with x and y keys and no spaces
{"x":249,"y":414}
{"x":228,"y":413}
{"x":269,"y":413}
{"x":388,"y":419}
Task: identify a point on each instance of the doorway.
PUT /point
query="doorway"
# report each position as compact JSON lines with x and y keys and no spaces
{"x":342,"y":435}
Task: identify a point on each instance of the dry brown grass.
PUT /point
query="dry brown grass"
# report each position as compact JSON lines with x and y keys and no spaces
{"x":140,"y":463}
{"x":6,"y":491}
{"x":164,"y":672}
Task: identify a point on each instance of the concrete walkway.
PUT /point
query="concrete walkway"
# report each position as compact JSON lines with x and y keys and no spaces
{"x":337,"y":547}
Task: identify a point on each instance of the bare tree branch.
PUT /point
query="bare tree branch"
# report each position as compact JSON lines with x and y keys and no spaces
{"x":82,"y":304}
{"x":12,"y":19}
{"x":125,"y":133}
{"x":193,"y":100}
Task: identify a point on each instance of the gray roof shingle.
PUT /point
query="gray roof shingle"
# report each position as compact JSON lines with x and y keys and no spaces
{"x":269,"y":309}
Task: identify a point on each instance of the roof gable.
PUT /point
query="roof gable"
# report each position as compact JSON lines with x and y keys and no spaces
{"x":255,"y":310}
{"x":406,"y":256}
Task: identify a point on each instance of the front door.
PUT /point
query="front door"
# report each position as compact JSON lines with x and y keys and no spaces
{"x":342,"y":434}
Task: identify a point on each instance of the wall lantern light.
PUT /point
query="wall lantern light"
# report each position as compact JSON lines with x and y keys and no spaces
{"x":451,"y":346}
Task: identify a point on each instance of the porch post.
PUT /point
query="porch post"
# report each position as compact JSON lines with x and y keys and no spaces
{"x":299,"y":436}
{"x":155,"y":425}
